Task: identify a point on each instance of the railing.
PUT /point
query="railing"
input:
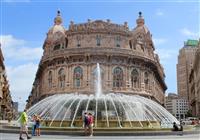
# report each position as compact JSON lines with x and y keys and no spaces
{"x":97,"y":50}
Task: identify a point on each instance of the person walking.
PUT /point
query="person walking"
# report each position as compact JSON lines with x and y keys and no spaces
{"x":91,"y":124}
{"x":86,"y":123}
{"x":23,"y":125}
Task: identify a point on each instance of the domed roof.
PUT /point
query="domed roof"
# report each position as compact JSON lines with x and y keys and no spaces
{"x":58,"y":28}
{"x":141,"y":29}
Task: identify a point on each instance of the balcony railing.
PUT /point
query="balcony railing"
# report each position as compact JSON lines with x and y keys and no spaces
{"x":97,"y":50}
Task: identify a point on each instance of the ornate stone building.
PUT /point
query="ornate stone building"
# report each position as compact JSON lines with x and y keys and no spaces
{"x":6,"y":103}
{"x":126,"y":57}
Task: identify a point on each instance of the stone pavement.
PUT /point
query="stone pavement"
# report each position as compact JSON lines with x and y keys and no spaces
{"x":9,"y":136}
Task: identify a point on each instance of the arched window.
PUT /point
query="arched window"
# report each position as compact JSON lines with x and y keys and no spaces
{"x":135,"y":78}
{"x":61,"y":78}
{"x":118,"y":40}
{"x":98,"y":39}
{"x":117,"y":77}
{"x":146,"y":80}
{"x":140,"y":39}
{"x":78,"y":38}
{"x":66,"y":42}
{"x":130,"y":44}
{"x":78,"y":75}
{"x":57,"y":47}
{"x":50,"y":79}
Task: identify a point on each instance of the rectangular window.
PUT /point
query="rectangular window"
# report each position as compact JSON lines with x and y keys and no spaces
{"x":98,"y":40}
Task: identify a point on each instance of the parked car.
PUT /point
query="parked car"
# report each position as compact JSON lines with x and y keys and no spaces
{"x":191,"y":121}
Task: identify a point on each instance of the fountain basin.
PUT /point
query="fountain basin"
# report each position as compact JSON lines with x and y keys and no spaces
{"x":109,"y":110}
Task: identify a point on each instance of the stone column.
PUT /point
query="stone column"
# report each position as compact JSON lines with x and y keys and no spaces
{"x":84,"y":82}
{"x":71,"y":73}
{"x":66,"y":77}
{"x":53,"y":79}
{"x":106,"y":78}
{"x":110,"y":77}
{"x":128,"y":78}
{"x":142,"y":80}
{"x":89,"y":76}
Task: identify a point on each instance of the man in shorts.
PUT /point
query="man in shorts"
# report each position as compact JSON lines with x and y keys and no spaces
{"x":23,"y":125}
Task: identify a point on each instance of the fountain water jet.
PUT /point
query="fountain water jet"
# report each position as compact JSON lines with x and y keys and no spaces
{"x":98,"y":82}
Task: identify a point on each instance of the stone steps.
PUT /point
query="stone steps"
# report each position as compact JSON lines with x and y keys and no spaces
{"x":101,"y":132}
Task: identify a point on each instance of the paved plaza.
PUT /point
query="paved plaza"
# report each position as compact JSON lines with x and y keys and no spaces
{"x":9,"y":136}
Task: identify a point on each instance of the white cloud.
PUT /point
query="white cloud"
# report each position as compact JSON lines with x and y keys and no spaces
{"x":166,"y":54}
{"x":159,"y":12}
{"x":18,"y":49}
{"x":189,"y":33}
{"x":22,"y":66}
{"x":9,"y":41}
{"x":21,"y":79}
{"x":159,"y":41}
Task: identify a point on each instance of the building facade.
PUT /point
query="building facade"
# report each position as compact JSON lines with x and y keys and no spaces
{"x":184,"y":67}
{"x":177,"y":105}
{"x":6,"y":103}
{"x":127,"y":60}
{"x":194,"y":82}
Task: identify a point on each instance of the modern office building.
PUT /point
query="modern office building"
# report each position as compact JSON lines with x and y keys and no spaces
{"x":184,"y":66}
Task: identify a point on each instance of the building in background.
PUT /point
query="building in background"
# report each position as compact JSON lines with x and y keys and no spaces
{"x":15,"y":110}
{"x":6,"y":103}
{"x":194,"y":82}
{"x":168,"y":102}
{"x":15,"y":106}
{"x":184,"y":67}
{"x":176,"y":105}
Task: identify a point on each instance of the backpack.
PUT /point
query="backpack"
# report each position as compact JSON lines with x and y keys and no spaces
{"x":90,"y":120}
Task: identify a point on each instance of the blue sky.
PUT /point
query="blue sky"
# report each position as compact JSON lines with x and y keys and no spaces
{"x":24,"y":24}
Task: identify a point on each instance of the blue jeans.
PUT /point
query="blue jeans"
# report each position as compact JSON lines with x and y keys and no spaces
{"x":33,"y":130}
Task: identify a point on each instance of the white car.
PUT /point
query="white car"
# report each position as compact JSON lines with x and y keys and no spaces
{"x":186,"y":122}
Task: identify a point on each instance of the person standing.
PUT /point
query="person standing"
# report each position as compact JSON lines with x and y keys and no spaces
{"x":37,"y":125}
{"x":85,"y":123}
{"x":33,"y":125}
{"x":23,"y":125}
{"x":91,"y":124}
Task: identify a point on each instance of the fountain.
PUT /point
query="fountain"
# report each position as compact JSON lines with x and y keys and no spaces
{"x":98,"y":82}
{"x":113,"y":110}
